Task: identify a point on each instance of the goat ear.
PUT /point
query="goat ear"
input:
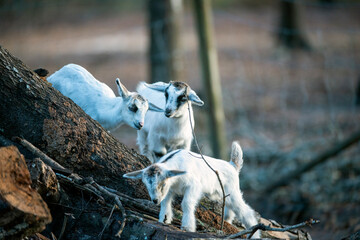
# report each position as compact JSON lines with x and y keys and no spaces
{"x":173,"y":173}
{"x":154,"y":108}
{"x":158,"y":86}
{"x":123,"y":92}
{"x":195,"y":98}
{"x":134,"y":175}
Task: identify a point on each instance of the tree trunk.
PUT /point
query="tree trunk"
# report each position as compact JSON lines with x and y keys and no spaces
{"x":289,"y":33}
{"x":211,"y":77}
{"x":357,"y":94}
{"x":165,"y":51}
{"x":32,"y":109}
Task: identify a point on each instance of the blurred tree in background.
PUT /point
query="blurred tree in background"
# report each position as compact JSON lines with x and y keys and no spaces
{"x":165,"y":59}
{"x":289,"y":32}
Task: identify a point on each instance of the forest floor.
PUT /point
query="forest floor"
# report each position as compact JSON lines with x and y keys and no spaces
{"x":284,"y":107}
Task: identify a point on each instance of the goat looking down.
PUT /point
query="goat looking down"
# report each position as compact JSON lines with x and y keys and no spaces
{"x":163,"y":133}
{"x":99,"y":101}
{"x":182,"y":172}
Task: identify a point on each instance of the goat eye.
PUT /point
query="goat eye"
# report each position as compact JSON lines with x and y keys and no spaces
{"x":161,"y":186}
{"x":133,"y":108}
{"x":182,"y":98}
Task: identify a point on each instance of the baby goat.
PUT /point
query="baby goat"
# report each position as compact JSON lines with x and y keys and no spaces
{"x":182,"y":172}
{"x":99,"y":101}
{"x":163,"y":133}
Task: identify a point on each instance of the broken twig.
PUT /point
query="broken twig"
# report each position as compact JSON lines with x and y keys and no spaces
{"x":118,"y":203}
{"x":262,"y":227}
{"x":111,"y":213}
{"x":45,"y":158}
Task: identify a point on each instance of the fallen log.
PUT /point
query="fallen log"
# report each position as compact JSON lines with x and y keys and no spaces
{"x":22,"y":209}
{"x":320,"y":158}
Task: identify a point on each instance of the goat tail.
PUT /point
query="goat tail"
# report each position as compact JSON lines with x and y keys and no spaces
{"x":236,"y":158}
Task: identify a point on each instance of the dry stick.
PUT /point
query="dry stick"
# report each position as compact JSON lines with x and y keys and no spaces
{"x":87,"y":188}
{"x":315,"y":161}
{"x":262,"y":227}
{"x":63,"y":227}
{"x":78,"y":216}
{"x":133,"y":202}
{"x":216,"y":172}
{"x":45,"y":158}
{"x":118,"y":203}
{"x":94,"y":188}
{"x":111,"y":213}
{"x":53,"y":236}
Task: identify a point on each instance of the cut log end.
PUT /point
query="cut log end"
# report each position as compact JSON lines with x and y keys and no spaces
{"x":22,"y":208}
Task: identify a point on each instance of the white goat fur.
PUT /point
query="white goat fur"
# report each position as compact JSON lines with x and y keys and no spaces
{"x":163,"y":133}
{"x":98,"y":100}
{"x":182,"y":172}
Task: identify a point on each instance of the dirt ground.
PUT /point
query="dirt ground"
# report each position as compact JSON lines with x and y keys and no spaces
{"x":284,"y":107}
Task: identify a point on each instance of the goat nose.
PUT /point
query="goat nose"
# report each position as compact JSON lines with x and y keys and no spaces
{"x":141,"y":124}
{"x":155,"y":201}
{"x":167,"y":112}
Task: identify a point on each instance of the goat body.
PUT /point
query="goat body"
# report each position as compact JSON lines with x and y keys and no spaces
{"x":163,"y":133}
{"x":98,"y":100}
{"x":182,"y":172}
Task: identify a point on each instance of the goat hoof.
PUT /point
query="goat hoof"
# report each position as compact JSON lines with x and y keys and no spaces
{"x":187,"y":229}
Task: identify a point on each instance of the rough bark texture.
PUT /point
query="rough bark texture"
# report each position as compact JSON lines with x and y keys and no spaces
{"x":22,"y":209}
{"x":31,"y":108}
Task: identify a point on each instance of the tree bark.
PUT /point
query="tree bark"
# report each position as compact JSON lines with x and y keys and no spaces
{"x":32,"y":109}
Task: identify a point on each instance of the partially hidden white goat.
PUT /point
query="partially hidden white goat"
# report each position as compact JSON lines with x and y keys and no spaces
{"x":182,"y":172}
{"x":163,"y":133}
{"x":99,"y":101}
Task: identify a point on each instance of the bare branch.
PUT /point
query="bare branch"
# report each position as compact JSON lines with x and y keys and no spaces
{"x":262,"y":227}
{"x":118,"y":203}
{"x":45,"y":158}
{"x":107,"y":222}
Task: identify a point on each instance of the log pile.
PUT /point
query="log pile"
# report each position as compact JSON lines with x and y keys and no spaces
{"x":72,"y":166}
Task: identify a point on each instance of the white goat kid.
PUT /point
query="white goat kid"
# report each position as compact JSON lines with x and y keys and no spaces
{"x":163,"y":133}
{"x":182,"y":172}
{"x":99,"y":101}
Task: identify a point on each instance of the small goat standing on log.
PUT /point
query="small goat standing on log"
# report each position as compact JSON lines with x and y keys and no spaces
{"x":182,"y":172}
{"x":163,"y":133}
{"x":99,"y":101}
